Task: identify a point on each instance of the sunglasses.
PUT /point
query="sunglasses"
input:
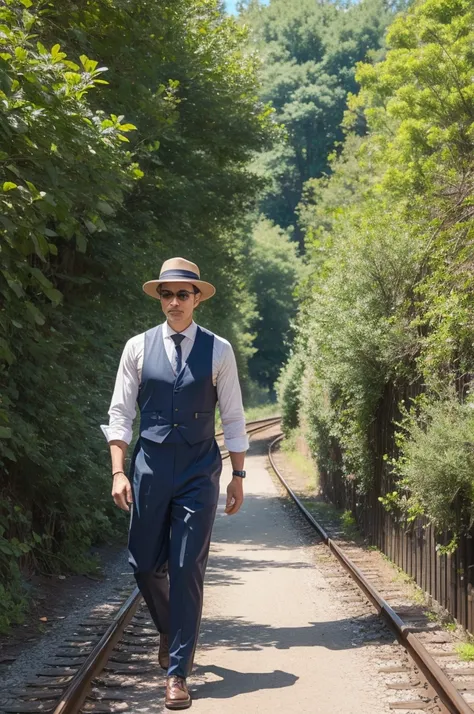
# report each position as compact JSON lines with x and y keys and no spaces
{"x":182,"y":295}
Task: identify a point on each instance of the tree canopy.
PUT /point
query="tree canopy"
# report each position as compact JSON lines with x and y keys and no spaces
{"x":310,"y":51}
{"x":387,"y":334}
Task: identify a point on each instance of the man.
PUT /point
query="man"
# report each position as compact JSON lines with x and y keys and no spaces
{"x":176,"y":372}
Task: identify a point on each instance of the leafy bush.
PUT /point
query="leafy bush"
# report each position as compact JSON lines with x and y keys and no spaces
{"x":64,"y":173}
{"x":436,"y":464}
{"x":289,"y":387}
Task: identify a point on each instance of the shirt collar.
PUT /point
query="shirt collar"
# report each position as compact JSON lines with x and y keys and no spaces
{"x":189,"y":332}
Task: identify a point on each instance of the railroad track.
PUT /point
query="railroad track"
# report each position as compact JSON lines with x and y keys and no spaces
{"x":112,"y":651}
{"x":438,"y":692}
{"x":253,"y":427}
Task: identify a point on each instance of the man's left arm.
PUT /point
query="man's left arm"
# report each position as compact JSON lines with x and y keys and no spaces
{"x":235,"y":489}
{"x":231,"y":409}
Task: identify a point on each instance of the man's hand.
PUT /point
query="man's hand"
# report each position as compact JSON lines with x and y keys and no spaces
{"x":122,"y":492}
{"x":235,"y":496}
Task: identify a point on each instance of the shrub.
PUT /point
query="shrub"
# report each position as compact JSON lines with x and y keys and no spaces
{"x":289,"y":391}
{"x":436,"y":464}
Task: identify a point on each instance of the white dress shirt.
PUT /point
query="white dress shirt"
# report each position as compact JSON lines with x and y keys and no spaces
{"x":123,"y":410}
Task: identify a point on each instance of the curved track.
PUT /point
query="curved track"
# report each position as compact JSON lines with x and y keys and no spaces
{"x":443,"y":688}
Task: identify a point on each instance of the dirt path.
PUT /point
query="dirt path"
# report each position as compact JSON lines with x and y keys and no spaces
{"x":274,"y":636}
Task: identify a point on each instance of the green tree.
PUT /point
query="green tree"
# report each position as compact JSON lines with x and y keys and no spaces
{"x":309,"y":52}
{"x":420,"y":107}
{"x":180,"y":73}
{"x":389,"y":238}
{"x":275,"y":270}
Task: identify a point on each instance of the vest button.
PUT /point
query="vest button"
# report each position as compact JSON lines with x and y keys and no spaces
{"x":175,"y":425}
{"x":176,"y":410}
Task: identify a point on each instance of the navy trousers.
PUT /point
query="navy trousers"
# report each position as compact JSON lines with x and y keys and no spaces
{"x":175,"y":496}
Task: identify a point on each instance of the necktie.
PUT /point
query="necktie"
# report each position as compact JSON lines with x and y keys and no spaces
{"x":177,"y":339}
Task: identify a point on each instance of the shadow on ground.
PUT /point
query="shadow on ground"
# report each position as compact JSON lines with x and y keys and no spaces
{"x":246,"y":636}
{"x":232,"y":683}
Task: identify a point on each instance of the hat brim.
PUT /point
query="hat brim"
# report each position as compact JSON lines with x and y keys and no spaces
{"x":207,"y":290}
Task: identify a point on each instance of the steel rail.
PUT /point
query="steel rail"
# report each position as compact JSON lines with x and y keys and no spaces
{"x":79,"y":687}
{"x":263,"y":422}
{"x":268,"y":423}
{"x":443,"y":687}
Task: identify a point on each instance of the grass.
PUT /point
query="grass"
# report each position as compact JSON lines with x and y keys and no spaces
{"x":401,"y":576}
{"x":303,"y":464}
{"x":418,"y":595}
{"x":299,"y":461}
{"x":261,"y":412}
{"x":465,"y":651}
{"x":342,"y":519}
{"x":450,"y":626}
{"x":253,"y":413}
{"x":349,"y":525}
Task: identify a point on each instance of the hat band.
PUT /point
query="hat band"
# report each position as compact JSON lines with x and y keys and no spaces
{"x":178,"y":273}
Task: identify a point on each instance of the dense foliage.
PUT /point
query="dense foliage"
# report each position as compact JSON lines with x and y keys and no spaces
{"x":275,"y":270}
{"x":436,"y":463}
{"x":125,"y":135}
{"x":389,"y":236}
{"x":309,"y":51}
{"x":132,"y":131}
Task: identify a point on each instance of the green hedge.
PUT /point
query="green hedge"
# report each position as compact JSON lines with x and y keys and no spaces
{"x":125,"y":136}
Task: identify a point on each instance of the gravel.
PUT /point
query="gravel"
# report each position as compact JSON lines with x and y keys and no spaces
{"x":117,"y":576}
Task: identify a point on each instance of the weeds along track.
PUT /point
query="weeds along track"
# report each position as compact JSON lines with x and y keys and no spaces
{"x":421,"y":670}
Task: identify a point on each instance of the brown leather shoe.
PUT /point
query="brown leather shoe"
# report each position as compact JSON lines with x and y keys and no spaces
{"x":177,"y":695}
{"x":164,"y":652}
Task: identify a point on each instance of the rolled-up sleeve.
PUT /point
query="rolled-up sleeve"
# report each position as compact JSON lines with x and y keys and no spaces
{"x":122,"y":409}
{"x":229,"y":397}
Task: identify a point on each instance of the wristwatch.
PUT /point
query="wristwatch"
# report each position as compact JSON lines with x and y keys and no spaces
{"x":242,"y":474}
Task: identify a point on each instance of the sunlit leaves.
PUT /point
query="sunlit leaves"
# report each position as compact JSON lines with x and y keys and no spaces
{"x":309,"y":51}
{"x":390,"y":237}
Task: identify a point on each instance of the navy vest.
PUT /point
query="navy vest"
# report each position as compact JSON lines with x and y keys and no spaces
{"x":173,"y":407}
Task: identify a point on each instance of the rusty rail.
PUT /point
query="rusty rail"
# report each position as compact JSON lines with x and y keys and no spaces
{"x":444,"y":688}
{"x":78,"y":688}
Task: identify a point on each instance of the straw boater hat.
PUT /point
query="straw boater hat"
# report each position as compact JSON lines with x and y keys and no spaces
{"x":179,"y":270}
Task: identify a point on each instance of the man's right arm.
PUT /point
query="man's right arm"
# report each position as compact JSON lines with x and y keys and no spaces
{"x":122,"y":412}
{"x":121,"y":488}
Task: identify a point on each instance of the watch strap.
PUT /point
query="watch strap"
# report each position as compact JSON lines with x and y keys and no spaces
{"x":241,"y":474}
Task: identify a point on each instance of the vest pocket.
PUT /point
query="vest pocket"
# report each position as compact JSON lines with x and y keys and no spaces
{"x":202,"y":415}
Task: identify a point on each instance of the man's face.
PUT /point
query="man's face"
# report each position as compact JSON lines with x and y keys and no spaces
{"x":179,"y":312}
